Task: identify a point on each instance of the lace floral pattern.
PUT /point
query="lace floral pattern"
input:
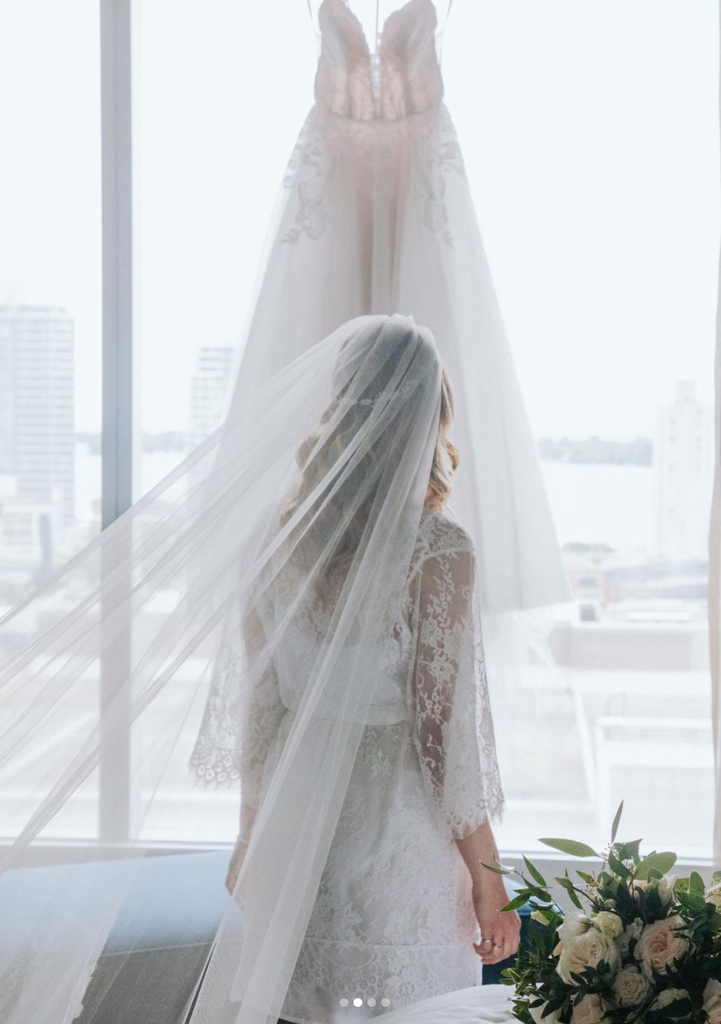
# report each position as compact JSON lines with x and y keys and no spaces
{"x":379,"y":143}
{"x":342,"y":168}
{"x":453,"y":728}
{"x":215,"y":760}
{"x":393,"y":918}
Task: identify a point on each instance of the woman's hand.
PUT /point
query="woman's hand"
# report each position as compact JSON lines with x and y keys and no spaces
{"x":500,"y":932}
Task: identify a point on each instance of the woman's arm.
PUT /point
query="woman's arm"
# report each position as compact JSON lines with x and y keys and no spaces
{"x":499,"y":931}
{"x":453,"y":732}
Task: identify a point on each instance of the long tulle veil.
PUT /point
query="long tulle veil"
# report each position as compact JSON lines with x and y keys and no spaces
{"x":135,"y":675}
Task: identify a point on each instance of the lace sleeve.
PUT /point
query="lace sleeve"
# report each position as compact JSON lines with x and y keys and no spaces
{"x":453,"y":729}
{"x":261,"y":717}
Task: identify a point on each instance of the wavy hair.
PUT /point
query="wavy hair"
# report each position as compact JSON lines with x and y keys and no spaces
{"x":315,"y":459}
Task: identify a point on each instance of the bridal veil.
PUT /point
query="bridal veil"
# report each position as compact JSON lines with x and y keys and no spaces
{"x":146,"y":663}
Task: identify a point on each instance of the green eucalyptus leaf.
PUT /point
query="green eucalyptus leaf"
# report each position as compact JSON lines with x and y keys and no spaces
{"x":497,"y":871}
{"x":696,"y":884}
{"x":617,"y":865}
{"x":616,"y":821}
{"x":570,"y":846}
{"x":534,"y":872}
{"x":662,"y":861}
{"x":516,"y":902}
{"x":567,"y":884}
{"x":629,"y":851}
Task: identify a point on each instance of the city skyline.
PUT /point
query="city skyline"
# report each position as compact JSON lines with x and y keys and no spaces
{"x":39,"y":451}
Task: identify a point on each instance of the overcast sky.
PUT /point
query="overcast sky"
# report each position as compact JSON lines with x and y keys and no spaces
{"x":590,"y":133}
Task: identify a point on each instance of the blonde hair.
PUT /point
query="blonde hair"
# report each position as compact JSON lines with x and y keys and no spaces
{"x":445,"y":456}
{"x":313,"y":471}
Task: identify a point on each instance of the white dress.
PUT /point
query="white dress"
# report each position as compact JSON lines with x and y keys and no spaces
{"x":393,"y":919}
{"x":375,"y":216}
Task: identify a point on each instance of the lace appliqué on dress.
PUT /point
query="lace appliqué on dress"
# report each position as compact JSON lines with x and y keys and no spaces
{"x":215,"y":760}
{"x":394,"y":914}
{"x":222,"y":755}
{"x":347,"y":171}
{"x":453,"y":726}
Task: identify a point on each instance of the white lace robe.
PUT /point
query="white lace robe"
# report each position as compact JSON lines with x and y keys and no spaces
{"x":393,"y":920}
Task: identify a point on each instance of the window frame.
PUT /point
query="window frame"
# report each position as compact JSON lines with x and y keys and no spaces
{"x":115,"y":800}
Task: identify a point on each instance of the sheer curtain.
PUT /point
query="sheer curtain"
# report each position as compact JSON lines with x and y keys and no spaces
{"x":714,"y":594}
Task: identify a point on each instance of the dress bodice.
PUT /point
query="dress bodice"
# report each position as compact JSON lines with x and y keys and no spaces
{"x":401,"y":77}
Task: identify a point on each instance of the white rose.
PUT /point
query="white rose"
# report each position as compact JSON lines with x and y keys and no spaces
{"x":631,"y":986}
{"x":659,"y":945}
{"x":588,"y":1011}
{"x":573,"y":925}
{"x":668,"y":996}
{"x":610,"y":924}
{"x":631,"y":931}
{"x":665,"y":888}
{"x":537,"y":1014}
{"x":587,"y":950}
{"x":712,"y":1001}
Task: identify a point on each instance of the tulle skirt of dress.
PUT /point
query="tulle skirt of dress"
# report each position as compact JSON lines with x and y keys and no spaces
{"x":376,"y":217}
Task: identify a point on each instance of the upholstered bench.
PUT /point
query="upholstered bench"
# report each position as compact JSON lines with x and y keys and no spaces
{"x":163,"y":933}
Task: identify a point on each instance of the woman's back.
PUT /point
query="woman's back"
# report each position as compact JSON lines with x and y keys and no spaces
{"x":393,"y":918}
{"x":303,"y":631}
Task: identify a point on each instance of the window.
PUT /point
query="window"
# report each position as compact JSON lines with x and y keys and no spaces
{"x":50,"y":309}
{"x":207,"y":172}
{"x":593,"y":182}
{"x":50,"y":296}
{"x":593,"y":177}
{"x":206,"y":175}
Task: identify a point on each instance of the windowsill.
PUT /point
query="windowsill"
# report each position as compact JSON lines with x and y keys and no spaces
{"x":58,"y":851}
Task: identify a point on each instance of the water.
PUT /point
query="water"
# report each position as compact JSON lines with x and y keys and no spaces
{"x":607,"y":504}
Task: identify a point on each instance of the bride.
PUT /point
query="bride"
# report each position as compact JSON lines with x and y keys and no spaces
{"x":299,"y":624}
{"x":403,"y":891}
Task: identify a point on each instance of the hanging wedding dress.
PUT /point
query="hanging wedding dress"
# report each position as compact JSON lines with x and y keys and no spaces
{"x":375,"y":216}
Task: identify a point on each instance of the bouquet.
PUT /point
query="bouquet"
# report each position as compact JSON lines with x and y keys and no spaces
{"x":641,"y":946}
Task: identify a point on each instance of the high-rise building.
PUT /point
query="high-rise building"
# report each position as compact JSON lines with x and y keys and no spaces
{"x":210,"y":389}
{"x":37,"y":423}
{"x":683,"y":467}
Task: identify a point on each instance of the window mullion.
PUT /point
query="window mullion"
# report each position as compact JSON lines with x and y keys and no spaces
{"x":115,"y":796}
